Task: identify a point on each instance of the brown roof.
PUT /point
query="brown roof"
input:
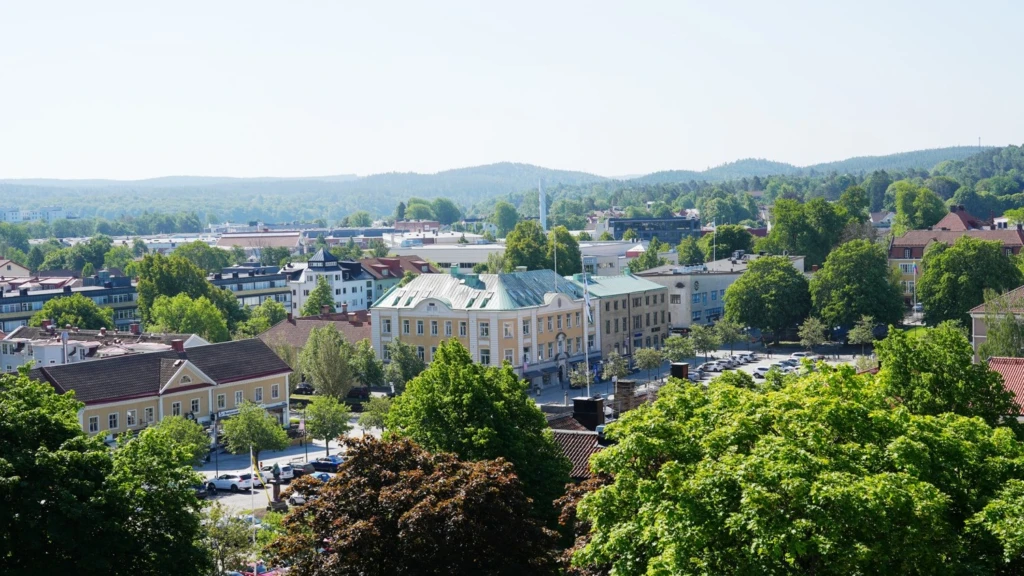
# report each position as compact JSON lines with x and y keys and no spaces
{"x":109,"y":337}
{"x":1012,"y":371}
{"x":142,"y":375}
{"x":354,"y":326}
{"x":564,"y":421}
{"x":1013,"y":300}
{"x":916,"y":238}
{"x":261,"y":240}
{"x":396,"y":266}
{"x":959,"y":220}
{"x":578,"y":447}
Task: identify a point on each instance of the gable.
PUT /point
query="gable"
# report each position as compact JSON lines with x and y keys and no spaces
{"x":181,"y":374}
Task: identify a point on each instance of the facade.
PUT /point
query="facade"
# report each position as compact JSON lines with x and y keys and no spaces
{"x":349,"y":282}
{"x":253,"y":283}
{"x":630,"y":312}
{"x":253,"y":242}
{"x":48,"y":345}
{"x":9,"y":268}
{"x":1012,"y":301}
{"x":612,"y":258}
{"x":205,"y":383}
{"x":444,"y":256}
{"x":419,"y":226}
{"x":47,"y":214}
{"x":116,"y":292}
{"x":668,"y":230}
{"x":389,"y":271}
{"x":696,"y":294}
{"x":882,"y":219}
{"x":533,"y":320}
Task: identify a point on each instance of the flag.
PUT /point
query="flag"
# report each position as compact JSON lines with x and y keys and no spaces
{"x":915,"y":267}
{"x":302,"y":424}
{"x":586,"y":298}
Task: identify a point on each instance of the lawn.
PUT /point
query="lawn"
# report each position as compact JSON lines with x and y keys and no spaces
{"x":916,"y":331}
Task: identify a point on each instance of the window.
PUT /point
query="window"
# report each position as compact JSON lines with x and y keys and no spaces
{"x":696,"y":298}
{"x":540,"y":353}
{"x":448,"y":328}
{"x":559,"y":321}
{"x":579,"y":345}
{"x":433,"y":352}
{"x":561,"y":347}
{"x":617,"y":304}
{"x":485,"y":330}
{"x":714,"y":295}
{"x":647,"y":300}
{"x":648,"y":320}
{"x":675,"y":299}
{"x":549,"y":324}
{"x":695,"y":316}
{"x":176,"y":409}
{"x":405,"y":326}
{"x":662,"y":316}
{"x":387,"y":354}
{"x":129,"y":418}
{"x":433,"y":327}
{"x":419,"y":327}
{"x":617,"y":324}
{"x":238,"y":398}
{"x":94,"y":423}
{"x":185,"y":379}
{"x":578,"y":323}
{"x":386,"y":325}
{"x":195,"y":403}
{"x":148,"y":415}
{"x":636,"y":302}
{"x":608,"y":326}
{"x":508,"y":329}
{"x":721,"y":294}
{"x":1009,"y":251}
{"x":606,"y":304}
{"x":526,"y":327}
{"x":420,"y":353}
{"x":526,"y":354}
{"x":590,"y":342}
{"x":485,"y":356}
{"x":508,"y":355}
{"x":637,"y":322}
{"x":462,"y":329}
{"x":551,"y":350}
{"x":907,"y":253}
{"x":275,"y":390}
{"x":222,"y":402}
{"x":663,"y":296}
{"x":540,"y":325}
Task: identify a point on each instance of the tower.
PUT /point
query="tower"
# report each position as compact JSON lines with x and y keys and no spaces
{"x":543,"y":206}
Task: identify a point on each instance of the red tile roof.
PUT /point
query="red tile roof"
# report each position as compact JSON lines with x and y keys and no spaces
{"x":1012,"y":371}
{"x":960,"y":220}
{"x":1009,"y":238}
{"x":1013,"y":300}
{"x":564,"y":421}
{"x":354,"y":326}
{"x":578,"y":447}
{"x":396,"y":266}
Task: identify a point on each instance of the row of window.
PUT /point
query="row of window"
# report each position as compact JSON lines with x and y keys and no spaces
{"x":637,"y":301}
{"x":553,"y":349}
{"x":195,"y":405}
{"x":639,"y":321}
{"x":699,"y":297}
{"x":484,"y":328}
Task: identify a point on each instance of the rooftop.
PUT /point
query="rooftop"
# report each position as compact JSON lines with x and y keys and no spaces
{"x":578,"y":446}
{"x":481,"y":291}
{"x":396,"y":266}
{"x":959,"y":219}
{"x":1012,"y":371}
{"x":1012,"y":300}
{"x":601,"y":286}
{"x":354,"y":326}
{"x":720,"y":266}
{"x":261,"y":240}
{"x":919,"y":238}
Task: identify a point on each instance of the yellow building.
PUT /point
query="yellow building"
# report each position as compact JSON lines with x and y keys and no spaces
{"x":129,"y":393}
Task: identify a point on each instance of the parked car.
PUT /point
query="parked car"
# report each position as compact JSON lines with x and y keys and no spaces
{"x":791,"y":362}
{"x":759,"y":375}
{"x":762,"y":370}
{"x":751,"y":356}
{"x":709,"y":367}
{"x":323,"y":476}
{"x":233,"y":482}
{"x":257,"y":482}
{"x":327,"y":463}
{"x":738,"y":359}
{"x":300,"y":468}
{"x":305,"y":388}
{"x":203,"y":491}
{"x":359,"y":393}
{"x":918,"y":307}
{"x":800,"y":355}
{"x":287,"y":473}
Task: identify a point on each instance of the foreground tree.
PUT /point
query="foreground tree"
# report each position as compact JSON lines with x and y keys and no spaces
{"x":183,"y":315}
{"x":73,"y":506}
{"x":648,"y":359}
{"x":481,"y":413}
{"x":76,"y":310}
{"x":253,"y":428}
{"x":186,"y":433}
{"x":857,"y":281}
{"x":705,"y":340}
{"x":327,"y":418}
{"x":228,"y":539}
{"x":394,"y":508}
{"x":812,"y":333}
{"x":824,"y":475}
{"x":327,"y":360}
{"x":771,"y":296}
{"x":955,"y":278}
{"x":319,"y":297}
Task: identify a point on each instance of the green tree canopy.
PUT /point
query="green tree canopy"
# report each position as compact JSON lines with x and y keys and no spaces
{"x":261,"y":318}
{"x":629,"y":234}
{"x":955,"y":278}
{"x":569,"y":260}
{"x":76,"y":310}
{"x":728,"y":238}
{"x":170,"y":276}
{"x":863,"y":332}
{"x":369,"y":369}
{"x":917,"y":207}
{"x":187,"y":434}
{"x":678,"y":348}
{"x":118,"y":257}
{"x":327,"y":361}
{"x":183,"y":315}
{"x":446,"y":211}
{"x":327,"y":418}
{"x":689,"y":252}
{"x":614,"y":367}
{"x":505,"y":217}
{"x":809,"y":229}
{"x":651,"y":258}
{"x":527,"y":246}
{"x":208,"y":258}
{"x":360,"y":219}
{"x":857,"y":281}
{"x":648,"y":359}
{"x":319,"y":297}
{"x":419,"y":212}
{"x":253,"y":427}
{"x":771,"y":295}
{"x":481,"y":413}
{"x":375,"y":412}
{"x":812,"y":332}
{"x":704,"y":339}
{"x":1004,"y":328}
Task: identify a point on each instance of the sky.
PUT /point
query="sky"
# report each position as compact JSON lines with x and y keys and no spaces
{"x":130,"y":90}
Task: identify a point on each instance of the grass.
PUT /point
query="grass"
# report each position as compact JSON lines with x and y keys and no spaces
{"x":916,"y":331}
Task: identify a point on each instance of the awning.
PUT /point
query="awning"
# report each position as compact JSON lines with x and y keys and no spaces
{"x":531,"y":374}
{"x":549,"y":370}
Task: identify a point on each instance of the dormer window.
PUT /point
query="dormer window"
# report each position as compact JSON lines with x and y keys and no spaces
{"x":185,"y":379}
{"x":384,"y":272}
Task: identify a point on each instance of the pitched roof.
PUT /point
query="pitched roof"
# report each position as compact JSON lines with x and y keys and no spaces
{"x":142,"y":375}
{"x":918,"y":238}
{"x":1012,"y":371}
{"x":295,"y":332}
{"x":877,"y":217}
{"x":481,"y":291}
{"x":1012,"y":300}
{"x":323,"y":256}
{"x":959,"y":220}
{"x":396,"y":266}
{"x":564,"y":421}
{"x":601,"y":286}
{"x":578,"y":447}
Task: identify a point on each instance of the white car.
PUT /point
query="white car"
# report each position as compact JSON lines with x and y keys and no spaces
{"x":287,"y":473}
{"x":762,"y":370}
{"x":800,"y":355}
{"x":233,"y":482}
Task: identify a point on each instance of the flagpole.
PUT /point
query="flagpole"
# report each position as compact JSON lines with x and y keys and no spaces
{"x":586,"y":324}
{"x":252,"y":503}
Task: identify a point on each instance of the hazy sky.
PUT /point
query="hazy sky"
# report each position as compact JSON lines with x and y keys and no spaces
{"x":135,"y":90}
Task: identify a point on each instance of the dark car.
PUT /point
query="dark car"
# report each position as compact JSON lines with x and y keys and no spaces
{"x":304,"y":388}
{"x":301,"y":469}
{"x":359,"y":393}
{"x":327,"y":463}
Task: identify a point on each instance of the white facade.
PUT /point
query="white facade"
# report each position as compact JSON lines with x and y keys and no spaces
{"x":47,"y":214}
{"x":348,"y":281}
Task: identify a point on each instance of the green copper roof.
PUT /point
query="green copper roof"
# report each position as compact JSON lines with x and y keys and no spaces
{"x":482,"y":291}
{"x":601,"y":286}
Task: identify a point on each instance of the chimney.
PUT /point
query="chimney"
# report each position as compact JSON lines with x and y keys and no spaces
{"x":344,"y":308}
{"x":954,"y":208}
{"x":45,"y":325}
{"x":325,"y":310}
{"x":67,"y":289}
{"x":290,"y":317}
{"x":178,"y":345}
{"x":103,"y":331}
{"x":588,"y":411}
{"x":814,"y":267}
{"x":134,"y":328}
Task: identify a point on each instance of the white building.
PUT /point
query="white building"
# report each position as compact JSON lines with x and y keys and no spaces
{"x":349,"y":282}
{"x":47,"y":214}
{"x":610,"y":258}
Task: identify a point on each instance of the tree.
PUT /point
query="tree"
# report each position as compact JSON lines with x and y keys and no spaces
{"x":360,"y":219}
{"x":857,"y":281}
{"x":76,"y":310}
{"x":527,"y":246}
{"x":771,"y":296}
{"x":35,"y":258}
{"x":822,"y":476}
{"x":583,"y":236}
{"x":404,"y":364}
{"x":274,"y":255}
{"x":812,"y":333}
{"x":169,"y":276}
{"x":369,"y":369}
{"x":689,"y":252}
{"x":725,"y":240}
{"x":606,"y":236}
{"x":917,"y":207}
{"x":206,"y":257}
{"x":88,"y":270}
{"x":395,"y":508}
{"x":678,"y":348}
{"x":855,"y":202}
{"x":728,"y":332}
{"x":261,"y":318}
{"x":809,"y":229}
{"x":629,"y":235}
{"x":375,"y":412}
{"x":580,"y":377}
{"x":73,"y":505}
{"x":481,"y":413}
{"x":560,"y":241}
{"x":1004,"y":328}
{"x":186,"y":433}
{"x":863,"y":332}
{"x":183,"y":315}
{"x":875,"y":186}
{"x":139,"y":248}
{"x":704,"y":339}
{"x":118,"y":257}
{"x":614,"y":367}
{"x":419,"y":212}
{"x":378,"y":248}
{"x":446,"y":211}
{"x":319,"y":297}
{"x":505,"y":217}
{"x":648,"y":359}
{"x":955,"y":278}
{"x":400,"y":212}
{"x":327,"y":360}
{"x":651,"y":258}
{"x":254,"y":428}
{"x":228,"y":539}
{"x":409,"y":276}
{"x":327,"y":418}
{"x":934,"y":373}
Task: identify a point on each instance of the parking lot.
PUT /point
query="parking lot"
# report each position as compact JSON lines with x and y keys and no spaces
{"x":762,"y":361}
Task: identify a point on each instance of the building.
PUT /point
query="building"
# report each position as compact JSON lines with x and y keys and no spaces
{"x":668,"y":230}
{"x":883,"y":219}
{"x":389,"y":271}
{"x":254,"y":242}
{"x":958,"y":219}
{"x":533,"y":320}
{"x":116,"y":292}
{"x":417,"y":226}
{"x":1012,"y":301}
{"x":50,"y":345}
{"x":38,"y":282}
{"x":253,"y":283}
{"x":204,"y":383}
{"x":696,"y":294}
{"x":1012,"y":371}
{"x":9,"y":268}
{"x":631,"y":312}
{"x":611,"y":258}
{"x":47,"y":214}
{"x":413,"y":239}
{"x":349,"y":283}
{"x":294,"y":332}
{"x":907,"y":251}
{"x":444,"y":256}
